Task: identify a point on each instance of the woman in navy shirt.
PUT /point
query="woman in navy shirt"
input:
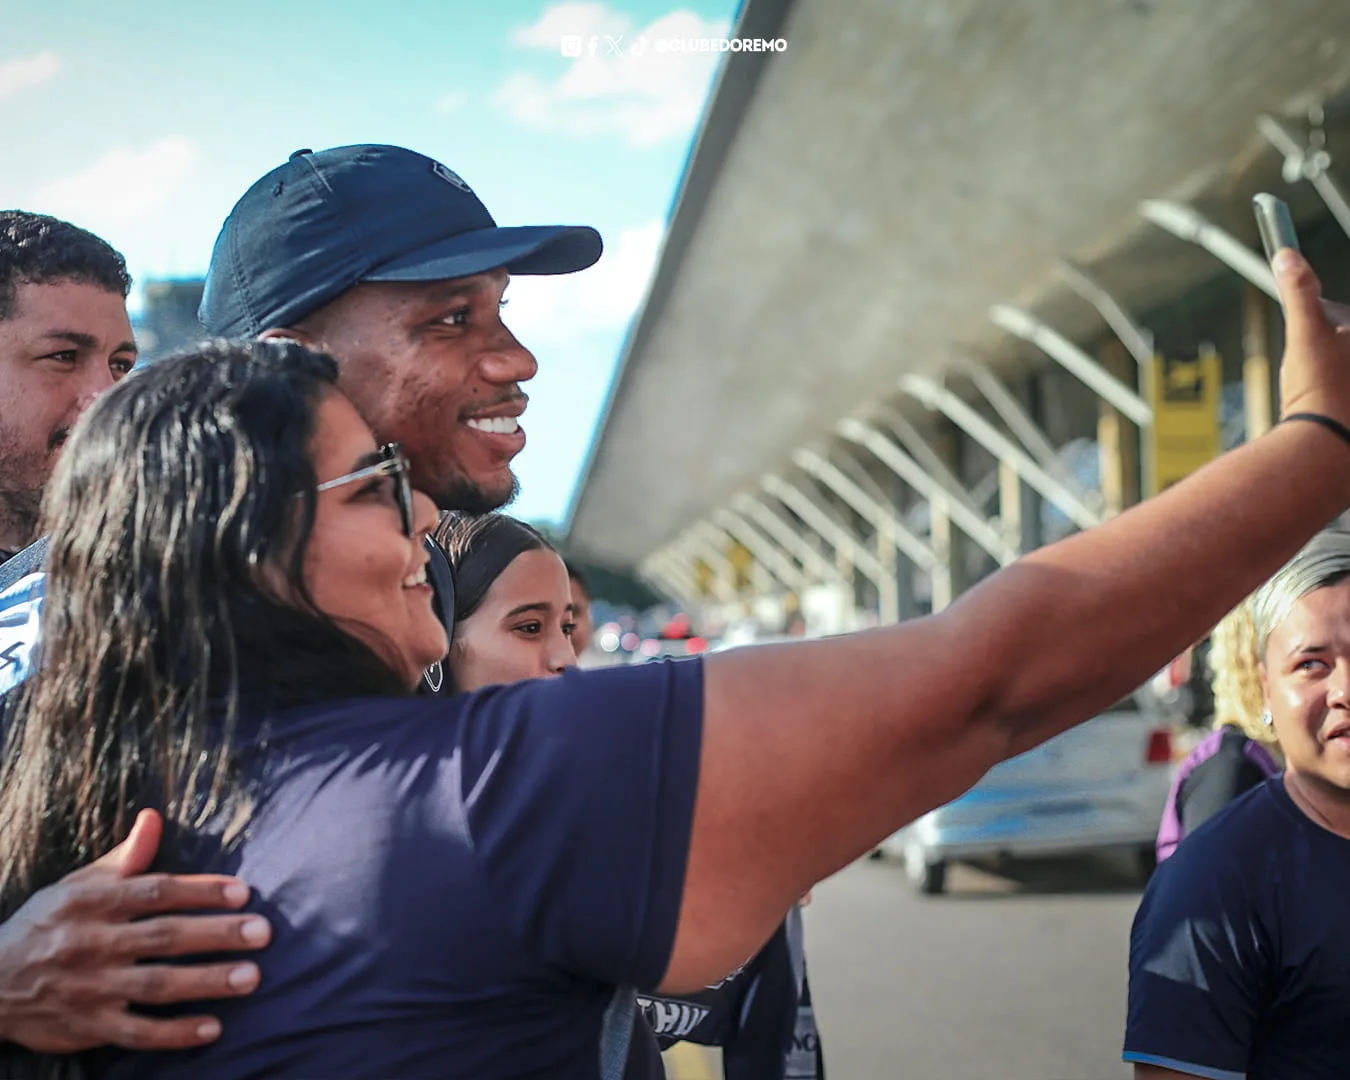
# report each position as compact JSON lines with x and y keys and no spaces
{"x":1240,"y":956}
{"x":236,"y":618}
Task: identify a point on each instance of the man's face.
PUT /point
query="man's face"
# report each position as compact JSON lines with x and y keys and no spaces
{"x":65,"y":343}
{"x":432,"y":366}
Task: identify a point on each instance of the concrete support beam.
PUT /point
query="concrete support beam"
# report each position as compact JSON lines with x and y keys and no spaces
{"x":1133,"y":335}
{"x":697,"y":543}
{"x":886,"y":540}
{"x":762,"y":548}
{"x":676,"y":574}
{"x":935,"y":396}
{"x":1309,"y":160}
{"x":760,"y":579}
{"x":1118,"y":442}
{"x":891,"y":531}
{"x":908,"y":437}
{"x":942,"y":537}
{"x":1074,"y":360}
{"x":1010,"y":508}
{"x":1257,"y":393}
{"x":827,"y":526}
{"x":786,"y":535}
{"x":1188,"y":224}
{"x":875,"y":512}
{"x":1016,"y":419}
{"x":972,"y":521}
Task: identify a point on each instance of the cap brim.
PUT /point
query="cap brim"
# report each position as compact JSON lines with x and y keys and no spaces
{"x":523,"y":249}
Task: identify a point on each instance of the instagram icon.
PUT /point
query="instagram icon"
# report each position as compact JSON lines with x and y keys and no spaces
{"x":571,"y":44}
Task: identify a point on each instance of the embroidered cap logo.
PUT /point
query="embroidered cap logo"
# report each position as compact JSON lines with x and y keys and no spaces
{"x":450,"y":177}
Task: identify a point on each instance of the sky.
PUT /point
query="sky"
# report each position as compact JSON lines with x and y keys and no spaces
{"x":144,"y":121}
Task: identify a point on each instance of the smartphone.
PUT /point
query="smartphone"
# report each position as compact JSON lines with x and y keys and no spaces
{"x":1275,"y":224}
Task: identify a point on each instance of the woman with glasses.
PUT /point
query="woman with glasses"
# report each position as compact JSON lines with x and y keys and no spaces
{"x":475,"y":885}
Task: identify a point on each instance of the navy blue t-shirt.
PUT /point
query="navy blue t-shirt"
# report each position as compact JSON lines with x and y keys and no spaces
{"x":1240,"y":952}
{"x":457,"y":885}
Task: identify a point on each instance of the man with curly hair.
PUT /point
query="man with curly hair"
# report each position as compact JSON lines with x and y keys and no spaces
{"x":64,"y":339}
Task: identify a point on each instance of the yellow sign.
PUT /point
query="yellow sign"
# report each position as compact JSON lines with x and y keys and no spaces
{"x":703,"y":578}
{"x":1185,"y":398}
{"x":741,"y":562}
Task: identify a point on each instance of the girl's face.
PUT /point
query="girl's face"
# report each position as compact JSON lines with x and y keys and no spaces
{"x":522,"y":629}
{"x":361,"y":569}
{"x":1306,"y":679}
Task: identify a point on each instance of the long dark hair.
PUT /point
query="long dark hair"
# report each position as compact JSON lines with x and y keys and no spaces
{"x":178,"y":488}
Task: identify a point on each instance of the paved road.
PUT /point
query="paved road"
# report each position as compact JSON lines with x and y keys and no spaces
{"x":1012,"y":976}
{"x":1018,"y":975}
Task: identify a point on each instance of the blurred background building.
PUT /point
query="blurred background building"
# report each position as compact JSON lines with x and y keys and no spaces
{"x":945,"y":282}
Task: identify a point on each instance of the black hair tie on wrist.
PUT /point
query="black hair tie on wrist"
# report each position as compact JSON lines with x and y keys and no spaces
{"x":1332,"y":425}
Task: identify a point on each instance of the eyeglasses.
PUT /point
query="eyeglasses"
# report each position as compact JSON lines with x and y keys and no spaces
{"x":393,"y":462}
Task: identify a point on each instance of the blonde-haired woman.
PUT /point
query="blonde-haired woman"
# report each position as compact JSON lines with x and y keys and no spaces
{"x":1240,"y":752}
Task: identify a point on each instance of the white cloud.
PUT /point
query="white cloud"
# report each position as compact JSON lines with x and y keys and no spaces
{"x":559,"y":20}
{"x":645,"y":98}
{"x":557,"y":309}
{"x":16,"y":75}
{"x":121,"y":187}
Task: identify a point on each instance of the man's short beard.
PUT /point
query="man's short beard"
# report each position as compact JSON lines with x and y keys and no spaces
{"x":19,"y":511}
{"x":464,"y":495}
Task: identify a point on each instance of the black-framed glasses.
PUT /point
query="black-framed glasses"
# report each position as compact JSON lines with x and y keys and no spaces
{"x":393,"y":462}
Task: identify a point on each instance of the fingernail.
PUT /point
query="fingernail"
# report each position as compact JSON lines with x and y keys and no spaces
{"x":236,"y":893}
{"x":243,"y":976}
{"x":208,"y":1029}
{"x":1285,"y":260}
{"x":255,"y":931}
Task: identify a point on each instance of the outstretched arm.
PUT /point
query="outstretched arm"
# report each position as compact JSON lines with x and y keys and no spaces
{"x":813,"y":752}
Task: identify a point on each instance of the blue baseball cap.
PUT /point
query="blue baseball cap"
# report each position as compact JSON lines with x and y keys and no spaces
{"x":312,"y":228}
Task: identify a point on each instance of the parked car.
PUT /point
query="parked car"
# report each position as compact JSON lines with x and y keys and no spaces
{"x":1100,"y":785}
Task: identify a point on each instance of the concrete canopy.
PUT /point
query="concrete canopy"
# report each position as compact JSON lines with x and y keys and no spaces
{"x":856,"y":203}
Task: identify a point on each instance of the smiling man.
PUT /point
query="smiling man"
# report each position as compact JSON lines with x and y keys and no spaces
{"x":387,"y":260}
{"x":64,"y":339}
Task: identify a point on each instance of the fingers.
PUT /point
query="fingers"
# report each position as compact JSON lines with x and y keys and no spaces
{"x":151,"y":894}
{"x":166,"y":984}
{"x":134,"y":854}
{"x":184,"y":935}
{"x":141,"y":1033}
{"x":1306,"y":322}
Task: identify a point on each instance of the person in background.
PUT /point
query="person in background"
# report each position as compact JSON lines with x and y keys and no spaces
{"x":514,"y":619}
{"x":584,"y":629}
{"x":1240,"y":752}
{"x":1239,"y":955}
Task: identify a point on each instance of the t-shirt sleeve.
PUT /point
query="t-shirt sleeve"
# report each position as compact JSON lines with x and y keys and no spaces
{"x":1199,"y":956}
{"x":578,"y":797}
